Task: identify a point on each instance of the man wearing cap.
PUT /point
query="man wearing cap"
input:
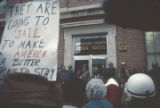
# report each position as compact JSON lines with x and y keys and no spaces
{"x":111,"y":70}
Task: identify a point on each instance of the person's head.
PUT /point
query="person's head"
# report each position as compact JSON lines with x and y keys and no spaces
{"x":96,"y":72}
{"x":154,"y":64}
{"x":84,"y":67}
{"x":20,"y":82}
{"x":103,"y":67}
{"x":123,"y":64}
{"x":95,"y":89}
{"x":110,"y":65}
{"x":63,"y":68}
{"x":70,"y":67}
{"x":140,"y":86}
{"x":132,"y":70}
{"x":106,"y":77}
{"x":141,"y":68}
{"x":74,"y":92}
{"x":78,"y":72}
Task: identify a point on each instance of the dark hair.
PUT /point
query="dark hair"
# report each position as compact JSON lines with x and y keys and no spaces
{"x":74,"y":92}
{"x":19,"y":89}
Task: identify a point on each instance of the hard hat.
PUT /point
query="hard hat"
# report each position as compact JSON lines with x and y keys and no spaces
{"x":140,"y":86}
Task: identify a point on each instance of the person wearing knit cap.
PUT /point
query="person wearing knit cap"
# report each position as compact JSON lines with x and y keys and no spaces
{"x":113,"y":91}
{"x":95,"y":91}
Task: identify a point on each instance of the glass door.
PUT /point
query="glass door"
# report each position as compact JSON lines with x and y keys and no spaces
{"x":97,"y":64}
{"x":80,"y":63}
{"x":93,"y":63}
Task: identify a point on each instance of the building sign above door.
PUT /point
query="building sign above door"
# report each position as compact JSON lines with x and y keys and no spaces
{"x":90,"y":45}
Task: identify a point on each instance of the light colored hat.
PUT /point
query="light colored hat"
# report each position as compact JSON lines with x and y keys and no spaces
{"x":140,"y":86}
{"x":95,"y":89}
{"x":123,"y":63}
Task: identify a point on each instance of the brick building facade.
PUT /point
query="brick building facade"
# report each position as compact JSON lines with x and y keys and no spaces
{"x":82,"y":19}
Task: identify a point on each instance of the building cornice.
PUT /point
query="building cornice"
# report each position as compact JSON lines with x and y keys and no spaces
{"x":82,"y":11}
{"x":82,"y":23}
{"x":96,"y":5}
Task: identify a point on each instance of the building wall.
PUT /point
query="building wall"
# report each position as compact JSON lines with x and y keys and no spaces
{"x":109,"y":30}
{"x":135,"y":54}
{"x":61,"y":47}
{"x":12,"y":2}
{"x":75,"y":11}
{"x":76,"y":3}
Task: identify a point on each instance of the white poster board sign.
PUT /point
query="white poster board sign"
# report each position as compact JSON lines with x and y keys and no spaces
{"x":30,"y":38}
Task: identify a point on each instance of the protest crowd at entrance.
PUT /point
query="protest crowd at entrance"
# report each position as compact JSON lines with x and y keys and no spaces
{"x":78,"y":89}
{"x":106,"y":89}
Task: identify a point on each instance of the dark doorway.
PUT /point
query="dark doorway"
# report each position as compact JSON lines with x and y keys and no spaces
{"x":80,"y":63}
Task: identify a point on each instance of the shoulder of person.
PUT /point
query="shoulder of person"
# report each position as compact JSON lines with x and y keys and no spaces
{"x":107,"y":104}
{"x":90,"y":104}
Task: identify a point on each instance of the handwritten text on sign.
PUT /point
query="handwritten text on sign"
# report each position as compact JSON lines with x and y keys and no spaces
{"x":30,"y":38}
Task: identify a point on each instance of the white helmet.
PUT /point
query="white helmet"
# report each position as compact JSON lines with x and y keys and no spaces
{"x":140,"y":86}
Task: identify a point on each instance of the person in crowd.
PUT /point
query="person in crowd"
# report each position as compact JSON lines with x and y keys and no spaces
{"x":123,"y":75}
{"x":70,"y":68}
{"x":74,"y":93}
{"x":64,"y":74}
{"x":154,"y":73}
{"x":56,"y":87}
{"x":85,"y":73}
{"x":22,"y":90}
{"x":95,"y":91}
{"x":96,"y":73}
{"x":78,"y":73}
{"x":111,"y":70}
{"x":141,"y":69}
{"x":113,"y":92}
{"x":131,"y":71}
{"x":103,"y":70}
{"x":139,"y":92}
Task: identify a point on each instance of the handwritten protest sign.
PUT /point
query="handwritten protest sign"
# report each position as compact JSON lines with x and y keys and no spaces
{"x":30,"y":38}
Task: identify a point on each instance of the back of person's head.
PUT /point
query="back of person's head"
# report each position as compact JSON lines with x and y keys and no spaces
{"x":154,"y":64}
{"x":106,"y":77}
{"x":95,"y":89}
{"x":74,"y":91}
{"x":141,"y":90}
{"x":140,"y":86}
{"x":26,"y":91}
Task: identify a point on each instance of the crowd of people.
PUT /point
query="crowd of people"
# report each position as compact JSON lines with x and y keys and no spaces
{"x":104,"y":88}
{"x":125,"y":87}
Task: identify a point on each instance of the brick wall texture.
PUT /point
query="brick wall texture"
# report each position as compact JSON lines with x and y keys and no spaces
{"x":75,"y":3}
{"x":135,"y":54}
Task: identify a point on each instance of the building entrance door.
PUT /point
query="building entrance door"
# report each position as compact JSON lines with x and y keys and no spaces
{"x":93,"y":63}
{"x":80,"y":63}
{"x":97,"y":64}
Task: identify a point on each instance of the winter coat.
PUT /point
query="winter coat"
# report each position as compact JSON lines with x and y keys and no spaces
{"x":98,"y":104}
{"x":74,"y":92}
{"x":64,"y":75}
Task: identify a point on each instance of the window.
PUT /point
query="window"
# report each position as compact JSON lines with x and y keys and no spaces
{"x":153,"y":47}
{"x":90,"y":45}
